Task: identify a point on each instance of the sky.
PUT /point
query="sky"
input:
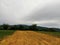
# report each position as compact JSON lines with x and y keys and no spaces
{"x":41,"y":12}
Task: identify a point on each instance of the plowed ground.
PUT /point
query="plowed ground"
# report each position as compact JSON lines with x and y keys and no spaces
{"x":30,"y":38}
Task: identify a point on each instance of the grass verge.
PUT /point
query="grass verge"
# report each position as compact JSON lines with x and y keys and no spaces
{"x":4,"y":33}
{"x":56,"y":34}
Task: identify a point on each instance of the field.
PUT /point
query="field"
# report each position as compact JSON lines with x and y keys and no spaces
{"x":31,"y":38}
{"x":56,"y":34}
{"x":4,"y":33}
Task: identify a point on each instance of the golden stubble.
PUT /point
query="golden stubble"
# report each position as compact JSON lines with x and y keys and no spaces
{"x":30,"y":38}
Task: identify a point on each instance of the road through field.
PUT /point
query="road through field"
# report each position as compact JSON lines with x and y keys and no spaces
{"x":30,"y":38}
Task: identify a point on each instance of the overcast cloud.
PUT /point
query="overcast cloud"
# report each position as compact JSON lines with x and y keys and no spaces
{"x":41,"y":12}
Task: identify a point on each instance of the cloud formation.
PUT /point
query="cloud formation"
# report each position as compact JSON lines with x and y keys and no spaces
{"x":41,"y":12}
{"x":51,"y":12}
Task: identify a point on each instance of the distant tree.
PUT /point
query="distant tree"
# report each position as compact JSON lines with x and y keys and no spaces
{"x":49,"y":29}
{"x":52,"y":30}
{"x":33,"y":27}
{"x":13,"y":27}
{"x":21,"y":27}
{"x":1,"y":27}
{"x":5,"y":26}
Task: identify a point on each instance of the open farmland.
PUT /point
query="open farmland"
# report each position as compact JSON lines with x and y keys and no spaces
{"x":30,"y":38}
{"x":4,"y":33}
{"x":56,"y":34}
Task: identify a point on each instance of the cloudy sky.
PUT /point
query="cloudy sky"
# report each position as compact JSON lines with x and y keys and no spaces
{"x":40,"y":12}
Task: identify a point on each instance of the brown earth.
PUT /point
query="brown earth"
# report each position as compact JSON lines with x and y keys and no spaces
{"x":30,"y":38}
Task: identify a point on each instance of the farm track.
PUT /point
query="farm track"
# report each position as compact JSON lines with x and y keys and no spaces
{"x":30,"y":38}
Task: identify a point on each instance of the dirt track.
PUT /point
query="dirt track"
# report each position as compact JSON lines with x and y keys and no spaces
{"x":30,"y":38}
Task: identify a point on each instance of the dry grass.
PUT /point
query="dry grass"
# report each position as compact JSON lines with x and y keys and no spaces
{"x":30,"y":38}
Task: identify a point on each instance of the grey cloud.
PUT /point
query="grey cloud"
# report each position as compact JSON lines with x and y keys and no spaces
{"x":10,"y":11}
{"x":54,"y":25}
{"x":47,"y":13}
{"x":26,"y":12}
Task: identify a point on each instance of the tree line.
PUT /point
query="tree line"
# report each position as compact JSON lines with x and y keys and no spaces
{"x":18,"y":27}
{"x":33,"y":27}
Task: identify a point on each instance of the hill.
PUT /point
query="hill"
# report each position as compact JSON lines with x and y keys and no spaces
{"x":30,"y":38}
{"x":33,"y":27}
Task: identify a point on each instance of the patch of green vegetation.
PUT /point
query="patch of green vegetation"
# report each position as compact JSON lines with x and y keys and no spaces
{"x":56,"y":34}
{"x":4,"y":33}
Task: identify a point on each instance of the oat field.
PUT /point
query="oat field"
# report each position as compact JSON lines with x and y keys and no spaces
{"x":30,"y":38}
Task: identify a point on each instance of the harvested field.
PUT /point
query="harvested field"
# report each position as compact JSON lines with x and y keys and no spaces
{"x":30,"y":38}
